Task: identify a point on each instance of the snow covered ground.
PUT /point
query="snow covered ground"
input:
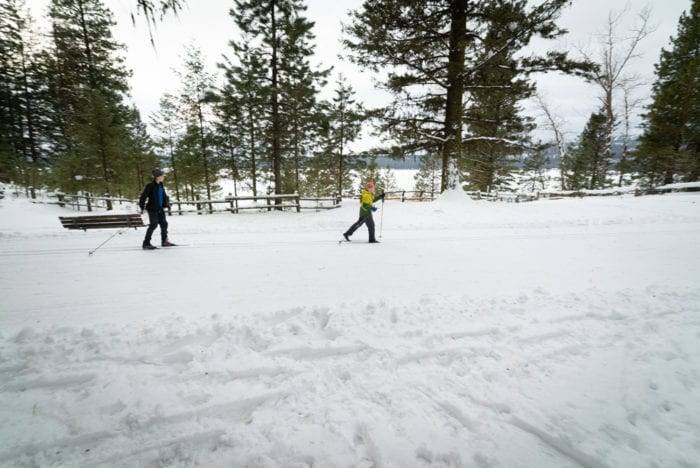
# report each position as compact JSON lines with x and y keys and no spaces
{"x":551,"y":333}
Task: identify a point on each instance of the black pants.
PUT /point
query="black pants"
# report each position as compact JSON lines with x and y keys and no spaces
{"x":370,"y":226}
{"x":156,"y":218}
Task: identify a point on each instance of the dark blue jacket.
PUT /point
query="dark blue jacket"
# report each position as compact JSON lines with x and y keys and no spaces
{"x":149,"y":197}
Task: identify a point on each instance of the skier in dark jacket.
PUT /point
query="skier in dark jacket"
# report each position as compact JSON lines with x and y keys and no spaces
{"x":366,"y":209}
{"x":155,"y":201}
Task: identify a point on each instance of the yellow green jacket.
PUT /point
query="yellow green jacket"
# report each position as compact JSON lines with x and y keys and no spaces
{"x":366,"y":201}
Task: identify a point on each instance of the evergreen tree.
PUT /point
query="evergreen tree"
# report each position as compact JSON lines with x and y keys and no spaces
{"x":280,"y":36}
{"x":89,"y":90}
{"x":588,"y":164}
{"x":669,"y":144}
{"x":345,"y":118}
{"x":242,"y":108}
{"x":196,"y":97}
{"x":260,"y":21}
{"x":433,"y":53}
{"x":141,"y":157}
{"x":299,"y":86}
{"x":22,"y":105}
{"x":534,"y":168}
{"x":168,"y":123}
{"x":427,"y":179}
{"x":227,"y":141}
{"x":498,"y":132}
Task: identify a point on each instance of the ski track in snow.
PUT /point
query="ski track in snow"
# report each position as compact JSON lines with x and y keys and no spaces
{"x":216,"y":396}
{"x":542,"y":357}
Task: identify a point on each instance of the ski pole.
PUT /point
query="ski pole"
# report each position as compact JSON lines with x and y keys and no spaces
{"x":110,"y":238}
{"x":381,"y":220}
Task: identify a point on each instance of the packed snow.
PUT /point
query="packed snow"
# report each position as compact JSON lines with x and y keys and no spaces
{"x":551,"y":333}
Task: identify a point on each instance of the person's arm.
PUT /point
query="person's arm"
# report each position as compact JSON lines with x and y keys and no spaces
{"x":144,"y":196}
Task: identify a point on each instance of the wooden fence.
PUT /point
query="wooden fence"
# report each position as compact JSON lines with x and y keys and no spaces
{"x":419,"y":196}
{"x":89,"y":202}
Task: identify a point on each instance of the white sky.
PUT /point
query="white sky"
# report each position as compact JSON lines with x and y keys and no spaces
{"x":207,"y":24}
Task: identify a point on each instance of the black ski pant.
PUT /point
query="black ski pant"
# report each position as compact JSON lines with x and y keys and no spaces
{"x":156,"y":218}
{"x":370,"y":226}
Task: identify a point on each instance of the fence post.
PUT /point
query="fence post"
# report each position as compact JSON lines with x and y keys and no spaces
{"x":87,"y":201}
{"x":230,"y":201}
{"x":60,"y":197}
{"x":267,"y":200}
{"x":199,"y":211}
{"x":179,"y":207}
{"x":298,"y":200}
{"x":236,"y":204}
{"x":403,"y":196}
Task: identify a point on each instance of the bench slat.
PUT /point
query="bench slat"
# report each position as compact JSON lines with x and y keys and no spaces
{"x":100,"y":226}
{"x":102,"y":221}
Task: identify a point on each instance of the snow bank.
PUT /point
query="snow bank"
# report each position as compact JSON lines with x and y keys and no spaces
{"x":454,"y":197}
{"x":680,"y":185}
{"x":541,"y":380}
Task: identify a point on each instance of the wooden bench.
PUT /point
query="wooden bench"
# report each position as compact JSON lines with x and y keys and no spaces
{"x":115,"y":221}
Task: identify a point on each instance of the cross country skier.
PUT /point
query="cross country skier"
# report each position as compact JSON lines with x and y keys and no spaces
{"x":366,"y":209}
{"x":158,"y":201}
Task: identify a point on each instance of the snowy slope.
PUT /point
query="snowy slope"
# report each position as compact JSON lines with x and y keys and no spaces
{"x":552,"y":333}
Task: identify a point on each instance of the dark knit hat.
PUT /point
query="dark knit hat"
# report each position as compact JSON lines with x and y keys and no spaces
{"x":157,"y":173}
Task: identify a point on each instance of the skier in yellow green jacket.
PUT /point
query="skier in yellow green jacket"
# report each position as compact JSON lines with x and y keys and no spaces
{"x":366,"y":209}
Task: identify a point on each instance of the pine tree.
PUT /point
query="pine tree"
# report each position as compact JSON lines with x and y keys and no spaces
{"x":433,"y":53}
{"x":196,"y":97}
{"x":260,"y":21}
{"x":345,"y":119}
{"x":299,"y":86}
{"x":670,"y":143}
{"x":534,"y":168}
{"x":89,"y":91}
{"x":498,"y":132}
{"x":243,"y":105}
{"x":276,"y":46}
{"x":22,"y":107}
{"x":588,"y":164}
{"x":227,"y":140}
{"x":168,"y":123}
{"x":141,"y":157}
{"x":427,"y":179}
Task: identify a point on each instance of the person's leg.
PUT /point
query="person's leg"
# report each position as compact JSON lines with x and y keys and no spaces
{"x":163,"y":226}
{"x":370,"y":227}
{"x":355,"y":227}
{"x":152,"y":225}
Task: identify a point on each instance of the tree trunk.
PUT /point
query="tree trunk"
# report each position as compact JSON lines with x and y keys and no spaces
{"x":172,"y":163}
{"x":30,"y":125}
{"x":340,"y":155}
{"x":254,"y":170}
{"x":93,"y":89}
{"x":234,"y":166}
{"x":204,"y":153}
{"x":296,"y":156}
{"x":276,"y":156}
{"x":452,"y":146}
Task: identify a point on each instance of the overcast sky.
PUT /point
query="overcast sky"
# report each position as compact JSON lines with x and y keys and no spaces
{"x":207,"y":24}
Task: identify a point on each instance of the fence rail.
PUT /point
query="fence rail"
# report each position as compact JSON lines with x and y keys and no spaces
{"x":229,"y":204}
{"x":415,"y":195}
